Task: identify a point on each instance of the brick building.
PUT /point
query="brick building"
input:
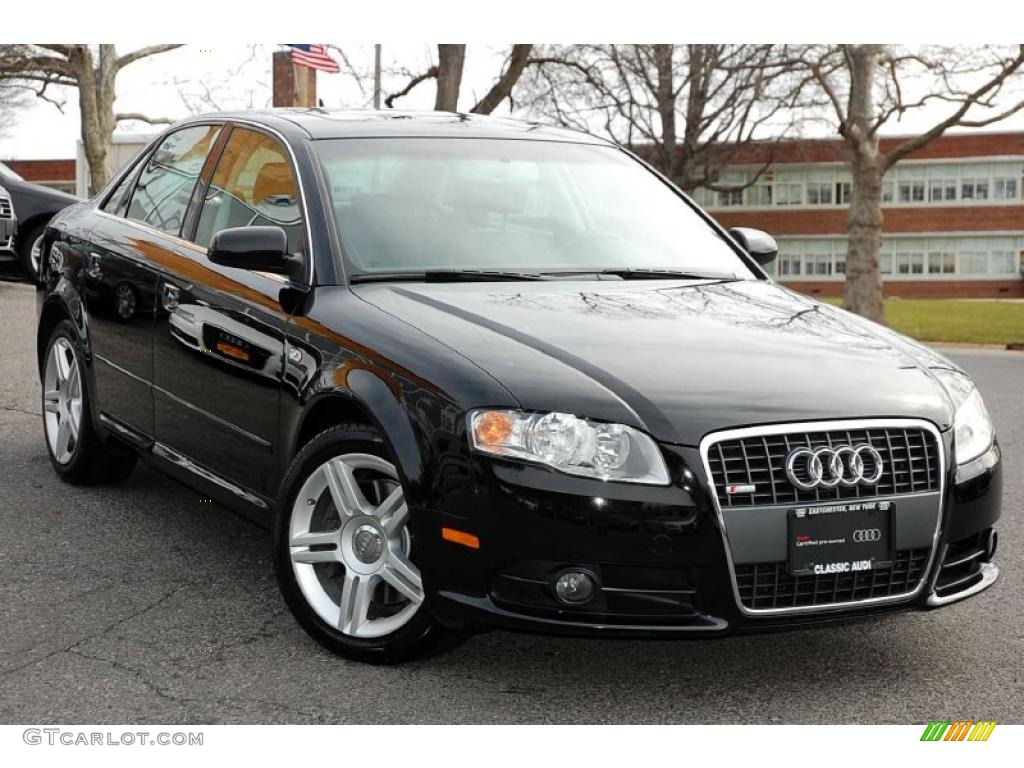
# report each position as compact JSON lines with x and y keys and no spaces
{"x":954,"y":214}
{"x":59,"y":174}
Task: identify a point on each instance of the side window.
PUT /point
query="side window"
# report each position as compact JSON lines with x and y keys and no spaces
{"x":254,"y":185}
{"x":116,"y":202}
{"x":165,"y":185}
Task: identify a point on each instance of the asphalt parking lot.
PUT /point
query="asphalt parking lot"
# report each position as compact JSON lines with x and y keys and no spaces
{"x":140,"y":603}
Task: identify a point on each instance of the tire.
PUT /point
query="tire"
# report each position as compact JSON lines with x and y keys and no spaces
{"x":26,"y":241}
{"x":77,"y":452}
{"x":358,"y":556}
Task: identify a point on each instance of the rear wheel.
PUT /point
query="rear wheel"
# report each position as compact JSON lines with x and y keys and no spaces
{"x":76,"y":451}
{"x":343,"y":554}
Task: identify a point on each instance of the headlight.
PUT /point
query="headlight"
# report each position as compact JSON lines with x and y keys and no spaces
{"x":973,"y":428}
{"x":570,"y":444}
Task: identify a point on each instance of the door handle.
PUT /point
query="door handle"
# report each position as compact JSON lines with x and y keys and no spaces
{"x":169,"y":295}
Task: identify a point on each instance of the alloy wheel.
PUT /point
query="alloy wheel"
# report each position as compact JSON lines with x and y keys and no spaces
{"x":62,"y":399}
{"x":349,"y":545}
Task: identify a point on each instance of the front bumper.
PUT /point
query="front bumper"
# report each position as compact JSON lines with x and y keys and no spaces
{"x":658,"y":553}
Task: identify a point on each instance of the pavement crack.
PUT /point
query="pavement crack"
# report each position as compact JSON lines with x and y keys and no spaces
{"x":138,"y":675}
{"x":15,"y":409}
{"x":96,"y":635}
{"x":186,"y":701}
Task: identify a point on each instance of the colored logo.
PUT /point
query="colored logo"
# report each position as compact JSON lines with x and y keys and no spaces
{"x":958,"y":730}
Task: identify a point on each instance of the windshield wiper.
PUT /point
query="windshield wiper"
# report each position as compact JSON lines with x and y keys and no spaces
{"x":446,"y":276}
{"x":639,"y":273}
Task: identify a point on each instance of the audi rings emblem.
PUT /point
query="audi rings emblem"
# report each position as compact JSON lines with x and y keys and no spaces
{"x":864,"y":535}
{"x":829,"y":466}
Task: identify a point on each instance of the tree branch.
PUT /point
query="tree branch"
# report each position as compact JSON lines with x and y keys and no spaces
{"x":142,"y":53}
{"x":389,"y":102}
{"x":501,"y":90}
{"x":973,"y":98}
{"x":142,"y":118}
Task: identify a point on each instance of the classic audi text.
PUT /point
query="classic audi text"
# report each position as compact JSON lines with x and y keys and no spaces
{"x":480,"y":373}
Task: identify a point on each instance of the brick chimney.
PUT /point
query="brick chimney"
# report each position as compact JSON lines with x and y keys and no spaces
{"x":294,"y":86}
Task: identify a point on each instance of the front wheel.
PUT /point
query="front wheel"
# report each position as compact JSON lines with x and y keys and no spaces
{"x":343,"y":554}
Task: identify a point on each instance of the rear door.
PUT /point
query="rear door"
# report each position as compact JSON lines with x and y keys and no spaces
{"x":220,"y":332}
{"x":139,"y":223}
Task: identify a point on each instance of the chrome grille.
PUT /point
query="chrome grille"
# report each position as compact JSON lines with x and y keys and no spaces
{"x":764,"y":586}
{"x":6,"y":210}
{"x":910,"y":455}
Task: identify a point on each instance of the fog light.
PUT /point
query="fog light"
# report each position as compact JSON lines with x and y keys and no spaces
{"x":575,"y":587}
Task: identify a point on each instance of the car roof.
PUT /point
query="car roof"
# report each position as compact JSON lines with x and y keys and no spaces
{"x":367,"y":123}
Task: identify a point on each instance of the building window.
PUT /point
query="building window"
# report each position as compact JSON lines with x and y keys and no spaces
{"x":941,"y":263}
{"x":759,"y":194}
{"x":888,"y":191}
{"x":911,"y":191}
{"x":789,"y":264}
{"x":730,"y":197}
{"x":909,"y":258}
{"x":1005,"y":189}
{"x":974,"y":189}
{"x":1005,"y":262}
{"x":909,"y":263}
{"x":942,"y":190}
{"x":973,"y":263}
{"x":843,"y":192}
{"x":819,"y":193}
{"x":789,"y":193}
{"x":705,"y":197}
{"x":818,"y":264}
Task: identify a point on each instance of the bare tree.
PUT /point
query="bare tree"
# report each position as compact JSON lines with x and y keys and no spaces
{"x":448,"y":74}
{"x":867,"y":87}
{"x":450,"y":58}
{"x":93,"y":71}
{"x":689,"y":109}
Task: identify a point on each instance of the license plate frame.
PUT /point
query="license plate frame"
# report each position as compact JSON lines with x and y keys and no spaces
{"x":839,"y":538}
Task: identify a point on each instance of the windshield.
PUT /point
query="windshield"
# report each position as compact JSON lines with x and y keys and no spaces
{"x":414,"y":205}
{"x":5,"y":170}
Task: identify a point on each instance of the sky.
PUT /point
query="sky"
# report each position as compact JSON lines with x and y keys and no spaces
{"x":197,"y":78}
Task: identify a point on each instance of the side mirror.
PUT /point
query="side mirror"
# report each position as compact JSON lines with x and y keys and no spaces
{"x":260,"y":249}
{"x":760,"y":245}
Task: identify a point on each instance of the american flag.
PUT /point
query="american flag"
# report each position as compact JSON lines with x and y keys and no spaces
{"x":313,"y":56}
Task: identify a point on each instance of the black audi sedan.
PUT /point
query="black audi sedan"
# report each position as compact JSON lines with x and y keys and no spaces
{"x":481,"y":373}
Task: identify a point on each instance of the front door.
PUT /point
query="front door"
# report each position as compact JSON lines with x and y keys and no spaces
{"x":220,"y":332}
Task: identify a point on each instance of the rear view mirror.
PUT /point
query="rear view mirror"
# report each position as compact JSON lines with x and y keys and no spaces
{"x":760,"y":245}
{"x":260,"y":249}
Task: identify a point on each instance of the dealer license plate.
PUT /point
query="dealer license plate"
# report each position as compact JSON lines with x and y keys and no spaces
{"x":829,"y":539}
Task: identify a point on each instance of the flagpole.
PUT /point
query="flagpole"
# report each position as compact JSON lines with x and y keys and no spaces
{"x":376,"y":76}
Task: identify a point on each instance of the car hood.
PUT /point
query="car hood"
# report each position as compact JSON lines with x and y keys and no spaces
{"x":676,"y":358}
